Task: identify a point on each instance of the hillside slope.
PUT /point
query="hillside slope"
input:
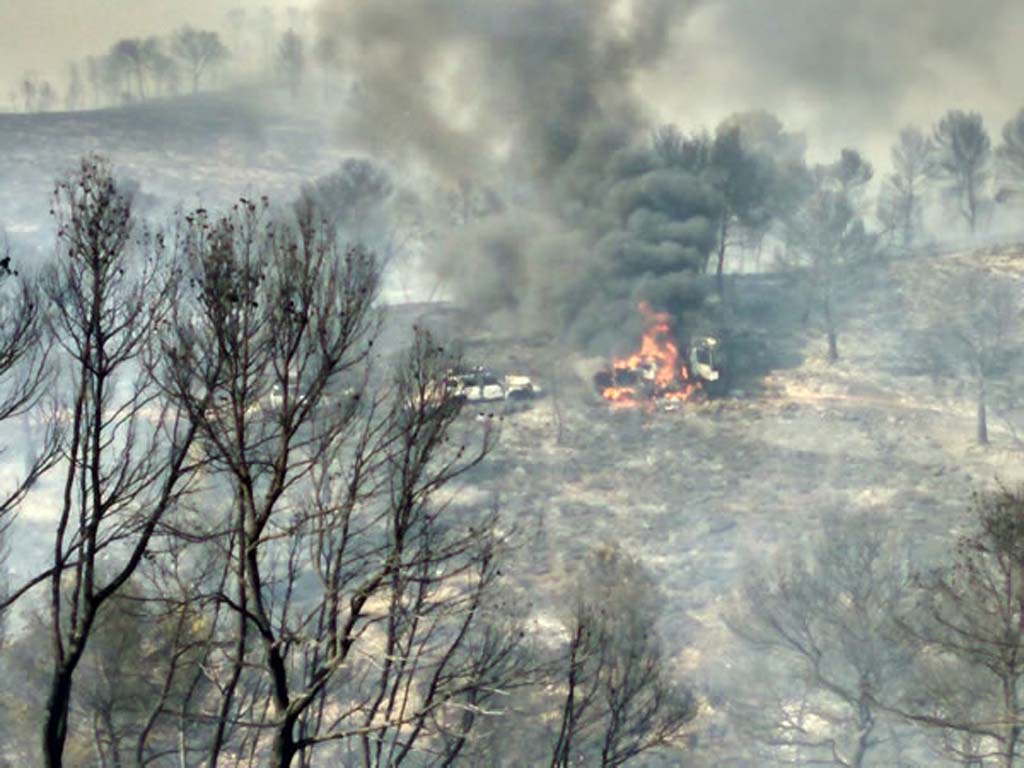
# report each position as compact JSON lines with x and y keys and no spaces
{"x":707,"y":491}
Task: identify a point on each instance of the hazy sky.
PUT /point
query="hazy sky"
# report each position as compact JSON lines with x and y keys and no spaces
{"x":849,"y":72}
{"x":42,"y":35}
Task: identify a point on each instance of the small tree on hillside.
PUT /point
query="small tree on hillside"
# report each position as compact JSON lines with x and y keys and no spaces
{"x":136,"y":57}
{"x":1010,"y":160}
{"x":963,"y":153}
{"x":973,"y":330}
{"x":851,"y":172}
{"x":94,"y":74}
{"x":742,"y":182}
{"x":46,"y":97}
{"x":900,"y":205}
{"x":166,"y":74}
{"x":829,"y":240}
{"x":968,"y":621}
{"x":115,"y":79}
{"x":198,"y":50}
{"x":786,"y":179}
{"x":618,"y":700}
{"x":821,"y":625}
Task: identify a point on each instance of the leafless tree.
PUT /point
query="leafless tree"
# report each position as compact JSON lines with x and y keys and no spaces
{"x":198,"y":49}
{"x":963,"y":153}
{"x":25,"y":374}
{"x":618,"y":701}
{"x":359,"y":606}
{"x":823,"y":624}
{"x":968,"y":622}
{"x":125,"y":450}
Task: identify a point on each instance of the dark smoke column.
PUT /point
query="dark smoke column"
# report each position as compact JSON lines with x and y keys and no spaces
{"x":535,"y":101}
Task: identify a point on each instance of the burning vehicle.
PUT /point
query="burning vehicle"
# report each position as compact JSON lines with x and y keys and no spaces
{"x":659,"y":371}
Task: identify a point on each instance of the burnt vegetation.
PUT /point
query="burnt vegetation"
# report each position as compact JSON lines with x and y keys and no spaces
{"x":708,"y":456}
{"x":260,"y":555}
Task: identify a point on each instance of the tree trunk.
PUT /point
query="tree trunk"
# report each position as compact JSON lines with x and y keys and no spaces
{"x":908,"y":218}
{"x":97,"y":741}
{"x":115,"y":746}
{"x":830,"y":329}
{"x":283,"y":749}
{"x":972,"y":205}
{"x":1011,"y":715}
{"x":55,"y":719}
{"x":556,"y":405}
{"x":182,"y":746}
{"x":866,"y":724}
{"x":723,"y":230}
{"x":982,"y":416}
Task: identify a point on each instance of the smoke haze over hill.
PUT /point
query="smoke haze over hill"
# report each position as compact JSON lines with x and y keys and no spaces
{"x":546,"y":103}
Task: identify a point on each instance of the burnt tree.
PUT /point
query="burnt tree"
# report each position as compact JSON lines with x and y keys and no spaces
{"x":357,"y":617}
{"x":968,"y":686}
{"x":108,"y":293}
{"x":618,"y":700}
{"x":25,"y":375}
{"x":823,"y":623}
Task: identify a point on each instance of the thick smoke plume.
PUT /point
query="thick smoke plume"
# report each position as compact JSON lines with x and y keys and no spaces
{"x":534,"y":102}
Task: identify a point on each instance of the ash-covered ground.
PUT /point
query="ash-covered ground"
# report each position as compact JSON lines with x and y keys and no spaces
{"x":183,"y":152}
{"x":708,"y":490}
{"x":701,"y":492}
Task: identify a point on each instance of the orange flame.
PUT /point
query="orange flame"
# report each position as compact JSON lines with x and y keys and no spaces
{"x":654,"y":371}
